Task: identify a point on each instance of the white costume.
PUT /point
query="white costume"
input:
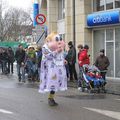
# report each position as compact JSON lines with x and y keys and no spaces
{"x":53,"y":73}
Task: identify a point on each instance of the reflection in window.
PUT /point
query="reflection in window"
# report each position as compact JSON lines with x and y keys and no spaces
{"x":98,"y":5}
{"x":99,"y":41}
{"x":110,"y":55}
{"x":109,"y":34}
{"x":117,"y":52}
{"x":117,"y":3}
{"x":109,"y":4}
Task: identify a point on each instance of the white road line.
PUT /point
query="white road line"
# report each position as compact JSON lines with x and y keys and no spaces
{"x":112,"y":114}
{"x":117,"y":99}
{"x":5,"y":111}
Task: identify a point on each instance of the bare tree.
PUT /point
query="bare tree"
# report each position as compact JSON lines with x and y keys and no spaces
{"x":14,"y":23}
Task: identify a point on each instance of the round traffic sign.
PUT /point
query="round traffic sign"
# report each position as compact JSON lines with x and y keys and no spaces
{"x":40,"y":19}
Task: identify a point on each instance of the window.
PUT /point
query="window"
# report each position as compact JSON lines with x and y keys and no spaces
{"x":117,"y":52}
{"x":110,"y":55}
{"x":98,"y":5}
{"x":61,"y":9}
{"x":109,"y":35}
{"x":109,"y":4}
{"x":99,"y":38}
{"x":112,"y":48}
{"x":117,"y":3}
{"x":63,"y":36}
{"x":101,"y":5}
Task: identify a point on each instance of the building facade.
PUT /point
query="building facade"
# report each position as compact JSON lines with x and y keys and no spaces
{"x":92,"y":22}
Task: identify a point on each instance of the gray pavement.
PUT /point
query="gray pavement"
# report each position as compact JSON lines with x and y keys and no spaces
{"x":21,"y":101}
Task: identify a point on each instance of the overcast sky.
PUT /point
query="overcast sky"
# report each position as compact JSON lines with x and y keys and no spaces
{"x":25,"y":4}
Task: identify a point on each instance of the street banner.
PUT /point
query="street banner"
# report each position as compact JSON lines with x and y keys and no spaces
{"x":35,"y":13}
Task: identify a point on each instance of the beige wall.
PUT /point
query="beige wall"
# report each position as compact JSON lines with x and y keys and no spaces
{"x":52,"y":14}
{"x":88,"y":32}
{"x":82,"y":8}
{"x":68,"y":21}
{"x":50,"y":9}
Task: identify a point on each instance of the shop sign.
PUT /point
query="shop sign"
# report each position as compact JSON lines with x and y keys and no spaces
{"x":103,"y":18}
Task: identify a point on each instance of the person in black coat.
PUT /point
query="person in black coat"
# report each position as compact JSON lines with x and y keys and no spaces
{"x":71,"y":59}
{"x":102,"y":62}
{"x":20,"y":58}
{"x":4,"y":60}
{"x":11,"y":60}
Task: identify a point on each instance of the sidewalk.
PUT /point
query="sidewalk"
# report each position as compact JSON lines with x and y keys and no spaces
{"x":112,"y":87}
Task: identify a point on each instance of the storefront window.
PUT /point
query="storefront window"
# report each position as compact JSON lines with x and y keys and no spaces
{"x":117,"y":3}
{"x":112,"y":48}
{"x":110,"y":55}
{"x":117,"y":52}
{"x":99,"y":38}
{"x":98,"y":5}
{"x":109,"y":4}
{"x":109,"y":35}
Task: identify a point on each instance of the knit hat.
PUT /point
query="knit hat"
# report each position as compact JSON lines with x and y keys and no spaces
{"x":70,"y":43}
{"x":102,"y":50}
{"x":86,"y":47}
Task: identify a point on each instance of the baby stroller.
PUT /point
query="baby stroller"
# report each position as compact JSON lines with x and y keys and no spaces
{"x":92,"y":80}
{"x":30,"y":69}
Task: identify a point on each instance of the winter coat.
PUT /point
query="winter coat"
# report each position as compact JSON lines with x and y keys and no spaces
{"x":11,"y":55}
{"x":71,"y":56}
{"x":84,"y":58}
{"x":20,"y":56}
{"x":102,"y":62}
{"x":31,"y":55}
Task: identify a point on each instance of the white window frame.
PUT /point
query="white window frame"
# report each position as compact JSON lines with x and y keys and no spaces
{"x":104,"y":6}
{"x":63,"y":10}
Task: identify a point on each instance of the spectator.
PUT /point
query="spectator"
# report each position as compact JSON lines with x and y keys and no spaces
{"x":20,"y":57}
{"x":83,"y":59}
{"x":11,"y":60}
{"x":4,"y":59}
{"x":31,"y":63}
{"x":80,"y":48}
{"x":39,"y":58}
{"x":102,"y":62}
{"x":71,"y":58}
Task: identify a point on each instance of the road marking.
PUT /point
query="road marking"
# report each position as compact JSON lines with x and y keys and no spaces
{"x":112,"y":114}
{"x":117,"y":99}
{"x":5,"y":111}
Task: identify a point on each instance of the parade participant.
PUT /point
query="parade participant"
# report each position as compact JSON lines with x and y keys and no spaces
{"x":53,"y":72}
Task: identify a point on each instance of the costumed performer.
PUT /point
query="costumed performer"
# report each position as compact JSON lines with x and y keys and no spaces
{"x":53,"y":73}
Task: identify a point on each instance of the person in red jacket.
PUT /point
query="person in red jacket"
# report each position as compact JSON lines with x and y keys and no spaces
{"x":83,"y":59}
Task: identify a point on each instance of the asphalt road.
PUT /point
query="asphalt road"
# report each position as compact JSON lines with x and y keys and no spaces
{"x":21,"y":101}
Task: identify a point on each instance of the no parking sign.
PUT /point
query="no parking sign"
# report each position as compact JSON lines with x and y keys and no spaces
{"x":40,"y":19}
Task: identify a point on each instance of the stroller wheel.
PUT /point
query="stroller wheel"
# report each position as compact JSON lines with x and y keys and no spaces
{"x":83,"y":89}
{"x":104,"y":90}
{"x":98,"y":91}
